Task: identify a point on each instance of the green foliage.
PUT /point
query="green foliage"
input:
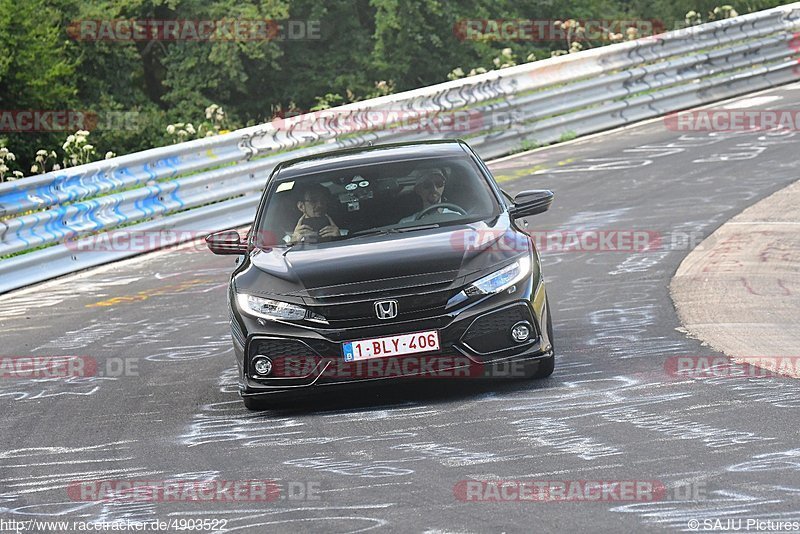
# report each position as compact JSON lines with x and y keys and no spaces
{"x":38,"y":69}
{"x":365,"y":48}
{"x":527,"y":145}
{"x":569,"y":135}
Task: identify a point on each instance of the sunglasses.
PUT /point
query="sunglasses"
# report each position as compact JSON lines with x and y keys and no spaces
{"x":436,"y":180}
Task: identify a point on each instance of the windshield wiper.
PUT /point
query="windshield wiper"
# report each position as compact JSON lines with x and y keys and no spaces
{"x":420,"y":227}
{"x":290,"y":246}
{"x":372,"y":231}
{"x":387,"y":231}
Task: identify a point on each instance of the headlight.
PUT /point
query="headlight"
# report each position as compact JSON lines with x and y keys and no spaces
{"x":274,"y":309}
{"x":500,"y":280}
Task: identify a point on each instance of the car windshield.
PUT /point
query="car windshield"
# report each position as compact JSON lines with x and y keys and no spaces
{"x":347,"y":203}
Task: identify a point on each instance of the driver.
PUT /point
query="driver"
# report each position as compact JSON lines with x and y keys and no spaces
{"x":427,"y":192}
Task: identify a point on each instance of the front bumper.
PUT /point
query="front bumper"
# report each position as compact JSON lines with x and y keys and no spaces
{"x":474,"y":343}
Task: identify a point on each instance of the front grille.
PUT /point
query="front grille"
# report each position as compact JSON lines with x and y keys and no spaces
{"x":491,"y":332}
{"x":278,"y":348}
{"x":352,"y":305}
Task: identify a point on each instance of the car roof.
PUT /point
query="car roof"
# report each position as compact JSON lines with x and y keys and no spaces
{"x":352,"y":157}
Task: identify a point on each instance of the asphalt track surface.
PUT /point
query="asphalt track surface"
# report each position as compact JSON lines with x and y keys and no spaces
{"x":389,"y":457}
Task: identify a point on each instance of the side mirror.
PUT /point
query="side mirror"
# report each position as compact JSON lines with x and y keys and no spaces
{"x":531,"y":203}
{"x":226,"y":242}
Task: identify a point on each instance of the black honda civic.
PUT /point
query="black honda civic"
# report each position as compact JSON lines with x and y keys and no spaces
{"x":386,"y":262}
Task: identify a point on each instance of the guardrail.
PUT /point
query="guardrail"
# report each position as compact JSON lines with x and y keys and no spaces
{"x":214,"y":183}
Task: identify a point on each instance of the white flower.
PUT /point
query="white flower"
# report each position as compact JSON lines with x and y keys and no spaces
{"x":11,"y":157}
{"x":88,"y":147}
{"x":39,"y":159}
{"x":56,"y":167}
{"x":110,"y":155}
{"x":34,"y":168}
{"x":41,"y":152}
{"x":53,"y":154}
{"x":82,"y":133}
{"x":18,"y":174}
{"x":3,"y":168}
{"x":3,"y":151}
{"x":190,"y":128}
{"x":506,"y":52}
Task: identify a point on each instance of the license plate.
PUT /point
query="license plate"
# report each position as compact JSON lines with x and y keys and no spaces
{"x":382,"y":347}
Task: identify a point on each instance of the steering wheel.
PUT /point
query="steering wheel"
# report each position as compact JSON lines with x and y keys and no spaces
{"x":448,"y":205}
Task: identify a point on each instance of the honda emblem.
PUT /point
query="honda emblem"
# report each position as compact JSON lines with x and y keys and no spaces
{"x":386,"y":309}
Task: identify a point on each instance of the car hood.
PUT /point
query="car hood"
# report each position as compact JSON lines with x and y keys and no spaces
{"x":455,"y":254}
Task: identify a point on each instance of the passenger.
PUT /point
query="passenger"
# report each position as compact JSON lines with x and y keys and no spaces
{"x":314,"y":224}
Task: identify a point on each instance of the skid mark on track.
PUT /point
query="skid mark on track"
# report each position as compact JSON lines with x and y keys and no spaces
{"x":377,"y":469}
{"x":552,"y":433}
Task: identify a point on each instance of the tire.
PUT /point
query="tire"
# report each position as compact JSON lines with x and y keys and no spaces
{"x":544,"y":367}
{"x":255,"y":404}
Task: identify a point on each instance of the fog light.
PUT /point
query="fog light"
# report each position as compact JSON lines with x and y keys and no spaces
{"x":521,"y":331}
{"x":262,"y":365}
